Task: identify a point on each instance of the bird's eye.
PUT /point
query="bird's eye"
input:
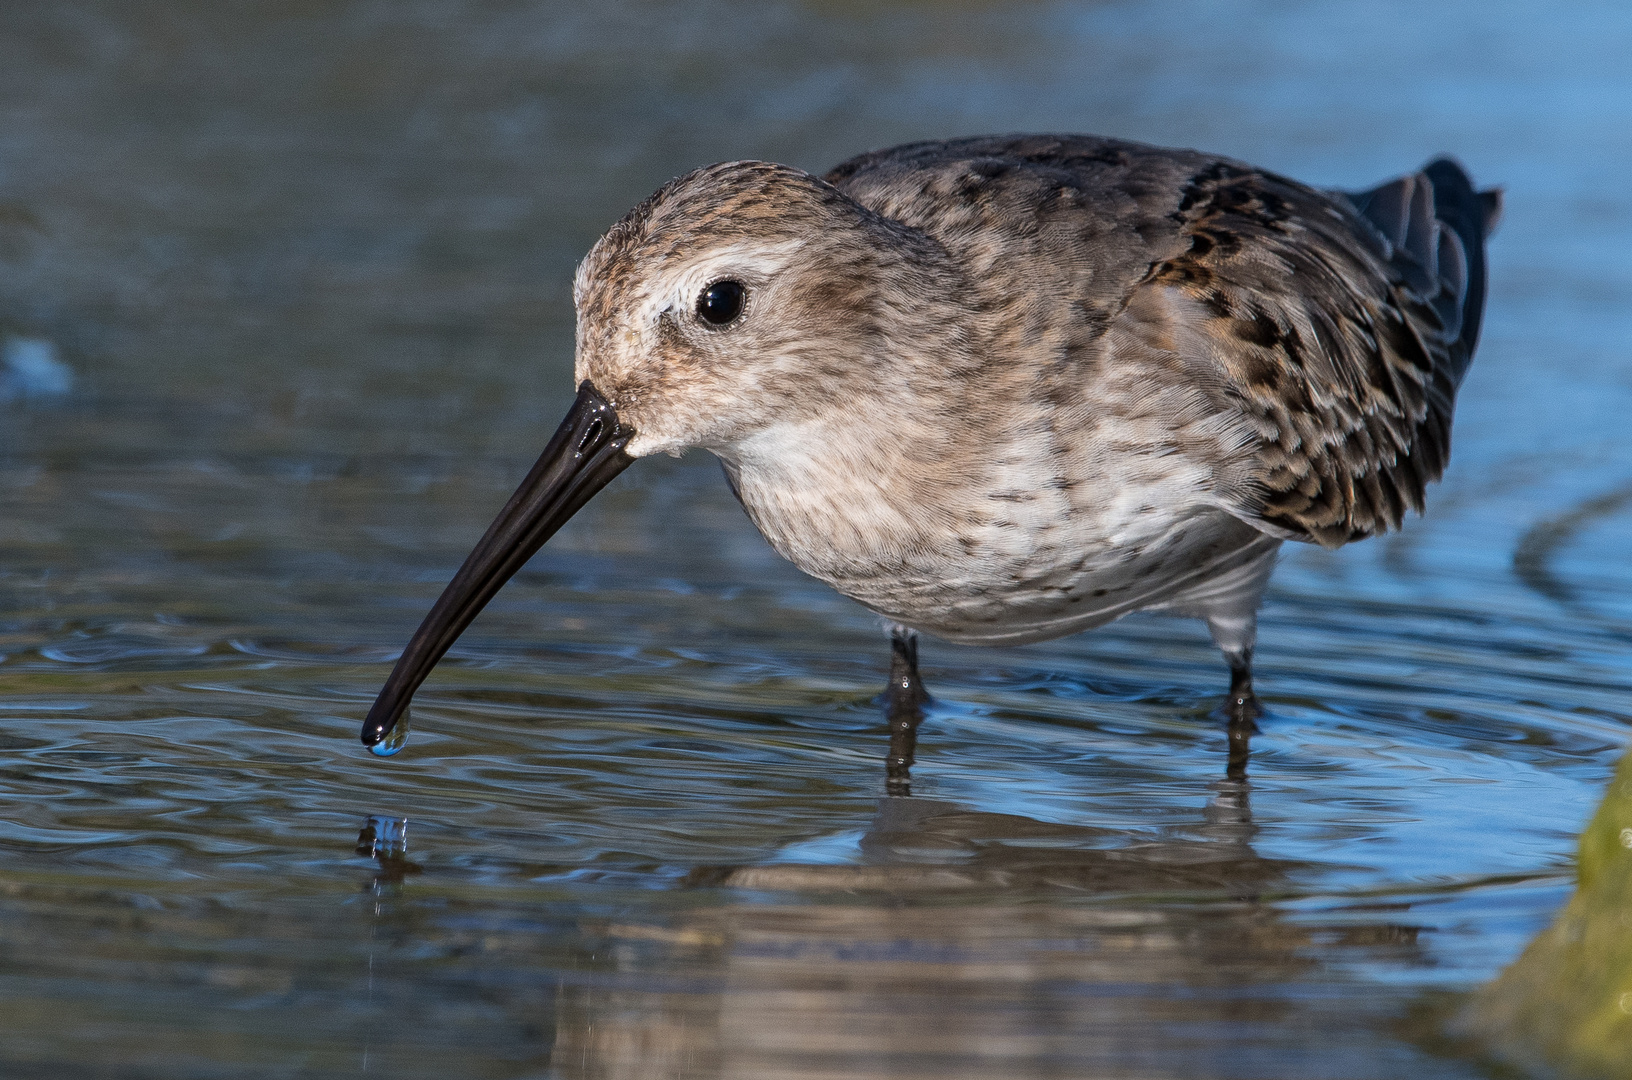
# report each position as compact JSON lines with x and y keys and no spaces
{"x":722,"y":302}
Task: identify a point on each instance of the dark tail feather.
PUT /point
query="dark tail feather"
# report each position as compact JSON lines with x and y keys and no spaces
{"x":1471,"y":215}
{"x":1436,"y":224}
{"x":1491,"y":200}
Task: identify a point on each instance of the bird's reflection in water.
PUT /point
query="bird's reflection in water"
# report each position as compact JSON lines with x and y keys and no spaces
{"x":955,"y":943}
{"x":971,"y":944}
{"x":928,"y":843}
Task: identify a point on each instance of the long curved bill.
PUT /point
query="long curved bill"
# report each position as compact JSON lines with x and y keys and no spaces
{"x":583,"y":456}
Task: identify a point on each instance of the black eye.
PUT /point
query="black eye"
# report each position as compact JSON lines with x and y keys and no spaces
{"x":722,"y":302}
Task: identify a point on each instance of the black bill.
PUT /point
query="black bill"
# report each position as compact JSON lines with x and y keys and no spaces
{"x":583,"y":456}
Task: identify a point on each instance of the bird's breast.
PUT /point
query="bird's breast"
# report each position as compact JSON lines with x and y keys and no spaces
{"x":1003,"y":553}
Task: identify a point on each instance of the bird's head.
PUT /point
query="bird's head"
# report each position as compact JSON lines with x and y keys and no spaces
{"x":737,"y":297}
{"x":739,"y":301}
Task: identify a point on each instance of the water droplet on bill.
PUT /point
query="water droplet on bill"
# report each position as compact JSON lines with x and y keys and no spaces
{"x":394,"y":740}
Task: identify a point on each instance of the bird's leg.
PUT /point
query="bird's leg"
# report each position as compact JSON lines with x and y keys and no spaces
{"x":904,"y":708}
{"x":1243,"y":705}
{"x":1243,"y":710}
{"x":1235,"y":630}
{"x":1230,"y":810}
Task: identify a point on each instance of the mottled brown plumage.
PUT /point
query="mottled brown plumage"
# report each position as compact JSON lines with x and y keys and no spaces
{"x":1337,"y":334}
{"x":1002,"y":389}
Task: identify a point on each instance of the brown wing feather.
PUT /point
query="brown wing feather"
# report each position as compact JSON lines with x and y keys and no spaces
{"x":1342,"y":335}
{"x":1331,"y":329}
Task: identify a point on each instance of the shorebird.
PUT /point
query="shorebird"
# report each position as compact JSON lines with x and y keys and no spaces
{"x":1009,"y":388}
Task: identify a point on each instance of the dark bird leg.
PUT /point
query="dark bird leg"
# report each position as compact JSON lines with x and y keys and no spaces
{"x":904,"y":700}
{"x":1235,"y":633}
{"x":1240,"y":736}
{"x":1243,"y":706}
{"x":1232,"y":621}
{"x":1230,"y":812}
{"x":1243,"y":710}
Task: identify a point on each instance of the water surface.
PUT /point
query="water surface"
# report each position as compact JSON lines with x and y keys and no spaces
{"x":308,"y":268}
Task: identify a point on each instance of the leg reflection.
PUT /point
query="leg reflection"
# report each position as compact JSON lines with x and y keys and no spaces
{"x":904,"y":700}
{"x":1229,"y":812}
{"x":1240,"y":736}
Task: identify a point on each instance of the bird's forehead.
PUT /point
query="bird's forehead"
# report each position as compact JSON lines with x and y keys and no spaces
{"x":748,"y":220}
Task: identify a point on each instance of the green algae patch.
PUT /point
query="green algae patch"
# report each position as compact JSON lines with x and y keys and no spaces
{"x":1565,"y":1005}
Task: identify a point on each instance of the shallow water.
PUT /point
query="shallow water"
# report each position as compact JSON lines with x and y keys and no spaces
{"x":308,"y":266}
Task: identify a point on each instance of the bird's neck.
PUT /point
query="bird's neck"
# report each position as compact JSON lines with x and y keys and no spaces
{"x":865,"y":486}
{"x":886,"y":456}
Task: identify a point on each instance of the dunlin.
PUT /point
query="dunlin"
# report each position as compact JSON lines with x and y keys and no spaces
{"x":1004,"y":389}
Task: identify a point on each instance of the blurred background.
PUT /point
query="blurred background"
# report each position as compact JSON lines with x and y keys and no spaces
{"x":285,"y":313}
